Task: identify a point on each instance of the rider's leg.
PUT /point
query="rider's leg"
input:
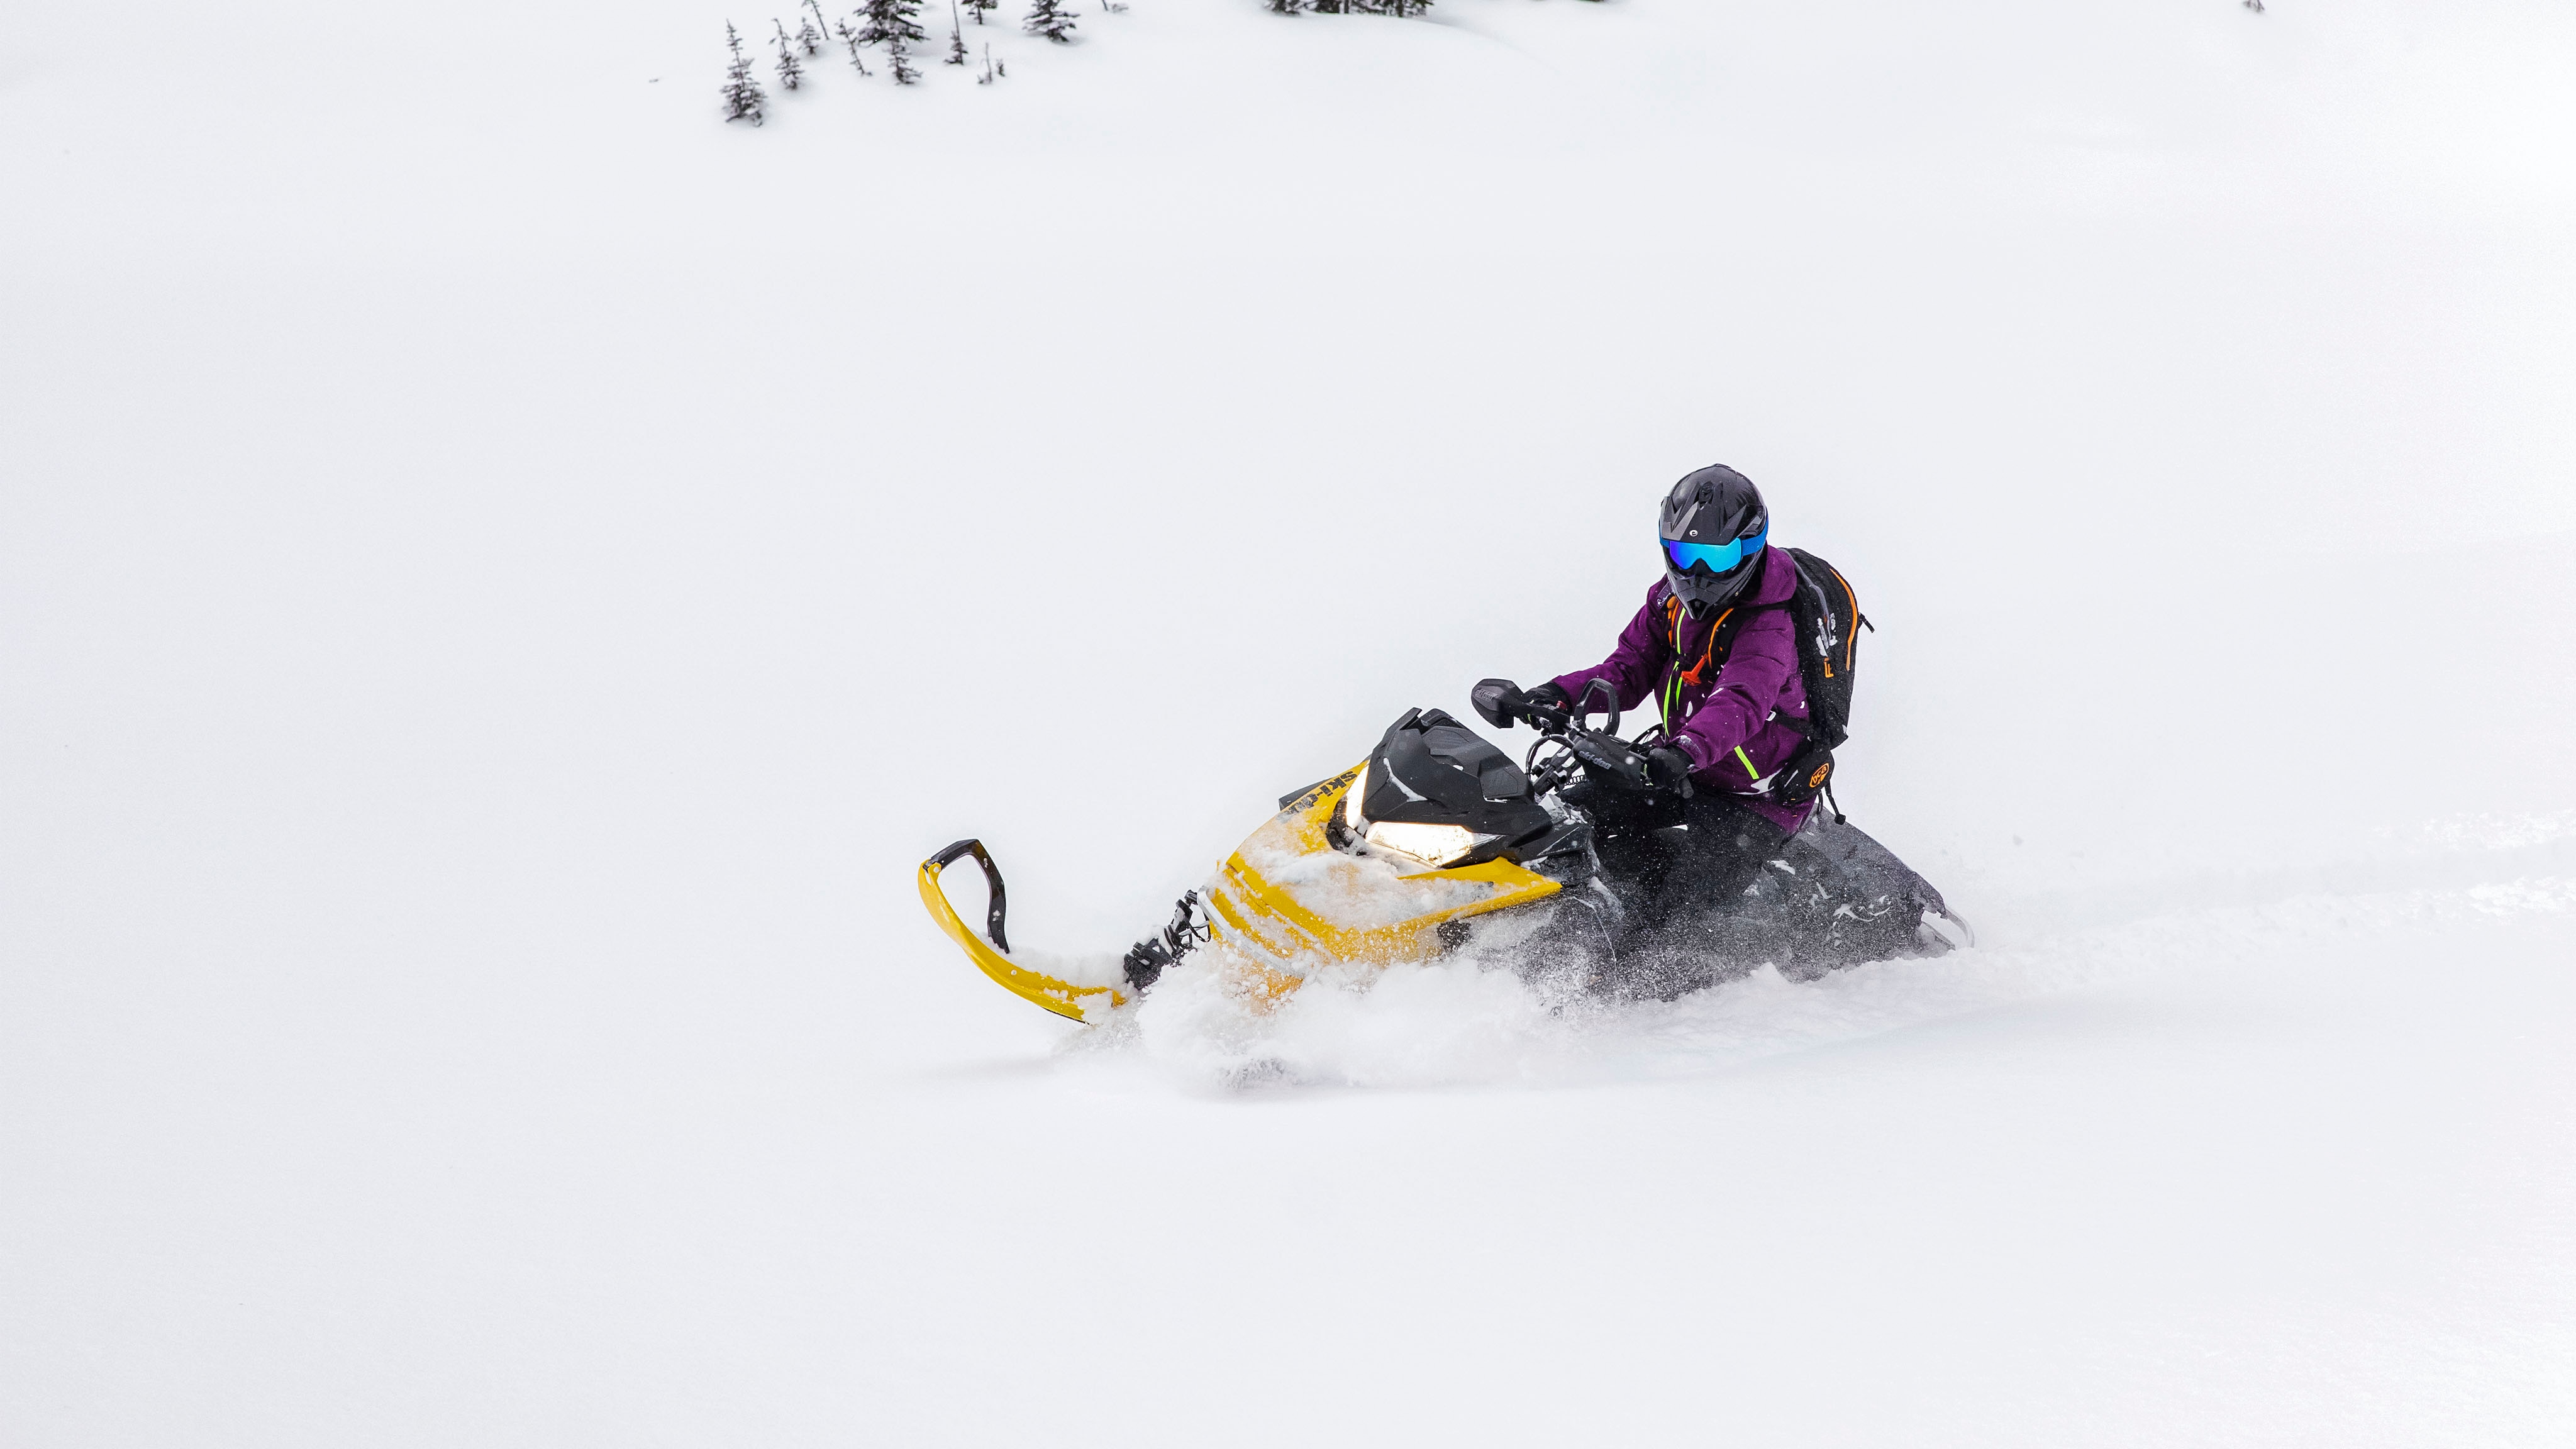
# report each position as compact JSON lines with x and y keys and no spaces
{"x":1719,"y":855}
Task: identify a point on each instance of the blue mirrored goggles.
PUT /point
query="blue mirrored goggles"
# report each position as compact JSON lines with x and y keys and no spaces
{"x":1719,"y":557}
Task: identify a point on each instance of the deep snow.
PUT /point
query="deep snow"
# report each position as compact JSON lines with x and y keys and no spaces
{"x":502,"y":577}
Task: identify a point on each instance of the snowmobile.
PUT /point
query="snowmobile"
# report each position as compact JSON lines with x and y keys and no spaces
{"x":1439,"y":843}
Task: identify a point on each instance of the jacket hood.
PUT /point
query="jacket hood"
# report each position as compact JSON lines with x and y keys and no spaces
{"x":1779,"y":578}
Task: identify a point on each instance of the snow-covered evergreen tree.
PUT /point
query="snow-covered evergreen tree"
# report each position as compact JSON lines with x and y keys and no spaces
{"x":1286,"y":7}
{"x":900,"y":61}
{"x":742,"y":94}
{"x":791,"y":71}
{"x":979,"y":7}
{"x":818,"y":28}
{"x":891,"y":19}
{"x":808,"y":39}
{"x":956,"y":36}
{"x":1050,"y":19}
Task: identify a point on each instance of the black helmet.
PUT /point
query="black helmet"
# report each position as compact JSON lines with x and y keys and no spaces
{"x":1714,"y":532}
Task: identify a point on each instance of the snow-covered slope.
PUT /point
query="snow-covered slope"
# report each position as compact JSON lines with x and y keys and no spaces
{"x":502,"y":577}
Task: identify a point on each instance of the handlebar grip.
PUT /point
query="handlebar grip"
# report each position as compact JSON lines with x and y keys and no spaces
{"x":1583,"y":706}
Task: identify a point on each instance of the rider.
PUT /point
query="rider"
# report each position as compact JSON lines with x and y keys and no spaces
{"x":1714,"y":645}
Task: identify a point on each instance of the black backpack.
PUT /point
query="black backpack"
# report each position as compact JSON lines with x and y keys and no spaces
{"x":1825,"y":616}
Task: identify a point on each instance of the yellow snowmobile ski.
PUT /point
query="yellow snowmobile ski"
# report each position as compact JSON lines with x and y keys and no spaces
{"x":1061,"y":997}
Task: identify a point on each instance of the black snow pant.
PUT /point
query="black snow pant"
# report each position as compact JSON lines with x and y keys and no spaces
{"x":1668,"y":875}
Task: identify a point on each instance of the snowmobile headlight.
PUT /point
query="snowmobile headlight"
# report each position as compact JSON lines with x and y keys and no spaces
{"x":1430,"y":844}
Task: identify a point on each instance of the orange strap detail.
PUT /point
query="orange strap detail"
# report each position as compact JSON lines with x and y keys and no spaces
{"x":1692,"y":675}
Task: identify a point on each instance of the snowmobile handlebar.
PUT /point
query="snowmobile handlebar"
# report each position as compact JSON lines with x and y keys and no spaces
{"x":1623,"y":762}
{"x":1601,"y":749}
{"x":1502,"y":704}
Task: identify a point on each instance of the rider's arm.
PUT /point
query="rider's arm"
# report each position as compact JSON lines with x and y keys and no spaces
{"x":1757,"y":673}
{"x":1633,"y":667}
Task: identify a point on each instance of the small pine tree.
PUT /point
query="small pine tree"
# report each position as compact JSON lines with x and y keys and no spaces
{"x":850,"y":38}
{"x":791,"y":72}
{"x":895,"y":19}
{"x":956,"y":36}
{"x":979,"y":7}
{"x":808,"y":39}
{"x":815,"y":29}
{"x":742,"y":94}
{"x":900,"y":61}
{"x":1050,"y":19}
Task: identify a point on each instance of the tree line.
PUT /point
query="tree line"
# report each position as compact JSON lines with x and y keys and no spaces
{"x":892,"y":28}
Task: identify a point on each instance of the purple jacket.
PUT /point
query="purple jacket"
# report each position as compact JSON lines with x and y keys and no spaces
{"x":1726,"y":724}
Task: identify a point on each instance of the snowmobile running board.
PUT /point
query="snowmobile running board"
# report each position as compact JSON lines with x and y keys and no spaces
{"x":1061,"y":997}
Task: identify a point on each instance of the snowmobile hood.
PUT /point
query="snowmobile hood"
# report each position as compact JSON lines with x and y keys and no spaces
{"x":1288,"y":900}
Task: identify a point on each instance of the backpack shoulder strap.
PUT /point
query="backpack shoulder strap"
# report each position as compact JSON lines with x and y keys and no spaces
{"x":1721,"y":640}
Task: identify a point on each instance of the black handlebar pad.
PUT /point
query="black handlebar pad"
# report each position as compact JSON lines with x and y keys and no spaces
{"x":1610,"y":753}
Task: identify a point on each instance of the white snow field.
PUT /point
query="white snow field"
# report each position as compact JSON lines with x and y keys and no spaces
{"x":504,"y":576}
